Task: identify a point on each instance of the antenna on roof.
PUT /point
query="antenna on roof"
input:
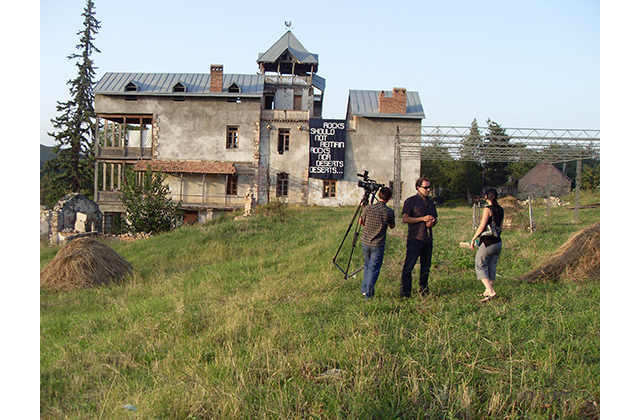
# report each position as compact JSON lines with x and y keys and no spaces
{"x":287,"y":23}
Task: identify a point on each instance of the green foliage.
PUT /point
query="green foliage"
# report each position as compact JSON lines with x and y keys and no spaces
{"x":148,"y":204}
{"x":496,"y":173}
{"x":590,"y":177}
{"x":517,"y":170}
{"x":245,"y":319}
{"x":72,"y":168}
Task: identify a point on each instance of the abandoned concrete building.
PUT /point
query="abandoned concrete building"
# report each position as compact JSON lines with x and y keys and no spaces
{"x":218,"y":136}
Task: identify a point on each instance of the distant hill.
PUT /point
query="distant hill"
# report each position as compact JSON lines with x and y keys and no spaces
{"x":46,"y":153}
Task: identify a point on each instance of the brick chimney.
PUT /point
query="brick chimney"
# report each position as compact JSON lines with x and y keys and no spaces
{"x":216,"y":78}
{"x":396,"y":104}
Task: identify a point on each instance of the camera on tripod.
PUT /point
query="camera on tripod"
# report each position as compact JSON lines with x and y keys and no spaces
{"x":370,"y":185}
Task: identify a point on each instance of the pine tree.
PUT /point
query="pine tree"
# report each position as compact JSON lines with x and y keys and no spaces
{"x":72,"y":168}
{"x":496,"y":173}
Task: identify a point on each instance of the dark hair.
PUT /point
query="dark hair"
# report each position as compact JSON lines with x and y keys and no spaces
{"x":492,"y":194}
{"x":419,"y":182}
{"x":385,"y":193}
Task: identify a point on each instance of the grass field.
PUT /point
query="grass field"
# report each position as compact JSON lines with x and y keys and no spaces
{"x":250,"y":319}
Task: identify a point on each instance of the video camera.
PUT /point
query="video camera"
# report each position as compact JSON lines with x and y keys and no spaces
{"x":370,"y":185}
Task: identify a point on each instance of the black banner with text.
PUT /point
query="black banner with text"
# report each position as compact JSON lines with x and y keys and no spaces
{"x":326,"y":148}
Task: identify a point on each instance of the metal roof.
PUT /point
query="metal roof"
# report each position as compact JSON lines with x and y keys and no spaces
{"x":288,"y":41}
{"x":364,"y":103}
{"x":318,"y":82}
{"x":196,"y":84}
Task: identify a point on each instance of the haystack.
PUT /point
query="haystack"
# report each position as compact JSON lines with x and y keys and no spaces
{"x":82,"y":263}
{"x":511,"y":208}
{"x":576,"y":259}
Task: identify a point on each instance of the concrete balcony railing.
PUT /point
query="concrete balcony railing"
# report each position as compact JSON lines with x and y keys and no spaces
{"x":123,"y":152}
{"x":288,"y":80}
{"x":112,"y":198}
{"x":284,"y":115}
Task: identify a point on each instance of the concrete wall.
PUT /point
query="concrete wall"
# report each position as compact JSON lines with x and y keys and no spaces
{"x":215,"y":189}
{"x":195,"y":129}
{"x":294,"y":161}
{"x":284,"y":98}
{"x":371,"y":147}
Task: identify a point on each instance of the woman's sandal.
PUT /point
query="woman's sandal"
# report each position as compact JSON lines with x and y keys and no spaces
{"x":488,"y":298}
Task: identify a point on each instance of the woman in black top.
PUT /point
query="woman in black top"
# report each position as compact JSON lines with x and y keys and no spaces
{"x":490,"y":247}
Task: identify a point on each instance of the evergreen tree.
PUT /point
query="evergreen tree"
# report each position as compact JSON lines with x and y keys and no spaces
{"x":72,"y":168}
{"x":496,"y":173}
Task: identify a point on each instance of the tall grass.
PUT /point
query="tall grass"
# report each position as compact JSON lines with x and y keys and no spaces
{"x":249,"y":319}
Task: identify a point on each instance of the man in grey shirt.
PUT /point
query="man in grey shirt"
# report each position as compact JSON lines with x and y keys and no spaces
{"x":375,"y":219}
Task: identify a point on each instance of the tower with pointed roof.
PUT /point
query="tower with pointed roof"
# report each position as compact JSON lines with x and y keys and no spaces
{"x":291,"y":79}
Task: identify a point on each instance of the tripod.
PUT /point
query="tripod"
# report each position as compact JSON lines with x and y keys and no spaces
{"x":356,"y":216}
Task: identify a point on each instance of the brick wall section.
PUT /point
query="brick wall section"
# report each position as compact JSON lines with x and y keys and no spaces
{"x":396,"y":104}
{"x":216,"y":78}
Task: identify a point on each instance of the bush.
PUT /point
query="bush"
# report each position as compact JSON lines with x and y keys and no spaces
{"x":148,"y":204}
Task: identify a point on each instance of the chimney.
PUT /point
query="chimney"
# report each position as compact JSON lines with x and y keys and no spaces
{"x":216,"y":78}
{"x":396,"y":104}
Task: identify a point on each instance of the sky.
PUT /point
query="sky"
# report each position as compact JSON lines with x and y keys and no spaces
{"x":524,"y":64}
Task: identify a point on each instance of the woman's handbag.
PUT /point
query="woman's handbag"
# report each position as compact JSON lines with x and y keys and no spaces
{"x":491,"y":230}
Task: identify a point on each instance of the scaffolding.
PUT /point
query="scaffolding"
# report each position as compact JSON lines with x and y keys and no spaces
{"x":479,"y":144}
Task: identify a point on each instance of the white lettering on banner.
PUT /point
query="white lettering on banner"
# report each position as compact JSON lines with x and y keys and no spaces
{"x":332,"y":124}
{"x":332,"y":144}
{"x":323,"y":170}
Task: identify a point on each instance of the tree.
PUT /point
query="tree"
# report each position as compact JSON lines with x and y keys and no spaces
{"x":496,"y":173}
{"x":434,"y":157}
{"x":148,"y":204}
{"x":72,"y":168}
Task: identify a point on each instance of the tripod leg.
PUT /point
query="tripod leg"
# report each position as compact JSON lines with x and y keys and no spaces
{"x":355,"y":217}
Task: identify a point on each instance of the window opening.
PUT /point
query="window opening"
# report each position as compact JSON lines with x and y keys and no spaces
{"x":283,"y":139}
{"x":297,"y":102}
{"x":269,"y":102}
{"x":329,"y":188}
{"x":232,"y":136}
{"x":282,"y":185}
{"x":232,"y":184}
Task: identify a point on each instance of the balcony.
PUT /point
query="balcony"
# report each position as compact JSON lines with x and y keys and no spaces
{"x":288,"y":80}
{"x":111,"y":201}
{"x":133,"y":153}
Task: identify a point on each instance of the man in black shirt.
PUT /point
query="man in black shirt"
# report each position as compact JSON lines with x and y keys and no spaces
{"x":419,"y":212}
{"x":375,"y":219}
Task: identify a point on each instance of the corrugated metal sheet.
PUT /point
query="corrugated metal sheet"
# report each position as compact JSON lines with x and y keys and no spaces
{"x":288,"y":41}
{"x":318,"y":82}
{"x":364,"y":103}
{"x":163,"y":83}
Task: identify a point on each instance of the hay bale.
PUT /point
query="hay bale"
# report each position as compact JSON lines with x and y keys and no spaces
{"x":576,"y":259}
{"x":82,"y":263}
{"x":512,"y":210}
